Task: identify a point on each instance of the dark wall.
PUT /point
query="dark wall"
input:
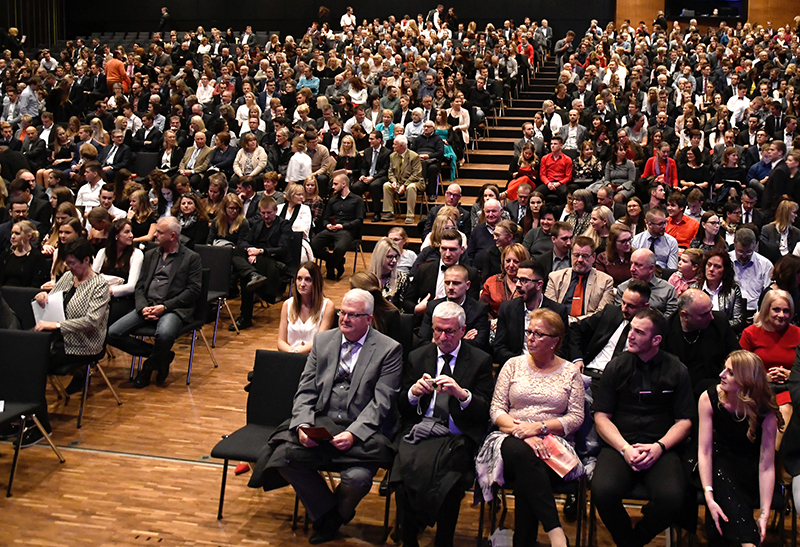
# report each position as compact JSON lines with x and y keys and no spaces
{"x":87,"y":16}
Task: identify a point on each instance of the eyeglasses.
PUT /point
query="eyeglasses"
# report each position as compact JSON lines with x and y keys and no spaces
{"x":624,"y":241}
{"x":581,"y":255}
{"x":524,"y":280}
{"x":452,"y":194}
{"x":346,"y":314}
{"x":447,"y":332}
{"x":233,"y":208}
{"x":537,"y":335}
{"x":713,"y":222}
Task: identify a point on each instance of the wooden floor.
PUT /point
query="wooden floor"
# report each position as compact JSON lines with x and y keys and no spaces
{"x":140,"y":474}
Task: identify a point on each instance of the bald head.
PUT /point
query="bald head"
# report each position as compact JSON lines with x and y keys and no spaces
{"x":643,"y":265}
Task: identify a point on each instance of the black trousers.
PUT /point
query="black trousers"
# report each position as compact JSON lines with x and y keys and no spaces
{"x":430,"y":171}
{"x":340,"y":241}
{"x":533,"y":495}
{"x":559,"y":195}
{"x":264,"y":265}
{"x":375,"y":191}
{"x":613,"y":479}
{"x":446,"y":520}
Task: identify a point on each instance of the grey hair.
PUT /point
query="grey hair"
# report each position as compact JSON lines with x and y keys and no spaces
{"x":401,"y":140}
{"x":451,"y":310}
{"x":361,"y":296}
{"x":173,"y":224}
{"x":745,"y":237}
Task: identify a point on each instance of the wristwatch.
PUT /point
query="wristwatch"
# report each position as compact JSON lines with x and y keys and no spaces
{"x":544,"y":429}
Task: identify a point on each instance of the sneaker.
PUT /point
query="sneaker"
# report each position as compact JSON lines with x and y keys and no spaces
{"x":409,"y":220}
{"x":431,"y":199}
{"x":256,"y":282}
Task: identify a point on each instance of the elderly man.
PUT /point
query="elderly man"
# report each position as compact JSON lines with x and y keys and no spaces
{"x":117,"y":156}
{"x":482,"y":237}
{"x":655,"y":238}
{"x":700,"y":338}
{"x":165,"y":295}
{"x":643,"y":410}
{"x":643,"y":267}
{"x":195,"y":161}
{"x":430,"y":148}
{"x":581,"y":289}
{"x":405,"y":179}
{"x":348,"y":387}
{"x":753,"y":272}
{"x":444,"y":406}
{"x":452,"y":198}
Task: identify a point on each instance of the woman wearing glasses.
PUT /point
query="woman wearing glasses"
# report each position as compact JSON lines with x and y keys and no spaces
{"x":230,"y":226}
{"x":537,"y":395}
{"x":616,"y":259}
{"x":708,"y":238}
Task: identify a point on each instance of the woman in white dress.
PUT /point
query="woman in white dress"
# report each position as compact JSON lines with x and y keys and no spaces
{"x":306,"y":313}
{"x":293,"y":210}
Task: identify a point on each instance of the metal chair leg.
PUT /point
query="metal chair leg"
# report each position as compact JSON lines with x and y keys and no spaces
{"x":222,"y":489}
{"x":55,"y":387}
{"x":208,"y":347}
{"x":108,"y":383}
{"x":85,"y":392}
{"x":216,"y":323}
{"x":47,"y":438}
{"x":233,"y":319}
{"x":22,"y":419}
{"x":295,"y":513}
{"x":191,"y":357}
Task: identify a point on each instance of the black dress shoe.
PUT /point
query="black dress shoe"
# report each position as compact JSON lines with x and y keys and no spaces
{"x":143,"y":378}
{"x":571,"y":508}
{"x":163,"y":369}
{"x":326,"y":528}
{"x":31,"y":437}
{"x":76,"y":385}
{"x":241,"y":324}
{"x":256,"y":282}
{"x":339,"y":272}
{"x":376,"y":218}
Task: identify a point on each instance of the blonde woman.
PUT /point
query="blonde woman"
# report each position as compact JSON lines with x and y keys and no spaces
{"x":599,"y":226}
{"x":779,"y":238}
{"x":230,"y":226}
{"x":384,"y":265}
{"x":142,"y":217}
{"x":299,"y":216}
{"x":299,"y":168}
{"x":99,"y":133}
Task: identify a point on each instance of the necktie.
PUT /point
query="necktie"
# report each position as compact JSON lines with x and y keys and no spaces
{"x":190,"y":165}
{"x":440,"y":408}
{"x":110,"y":158}
{"x":374,"y":163}
{"x":653,"y":241}
{"x":342,"y":371}
{"x":576,"y":310}
{"x":522,"y":212}
{"x":623,"y":339}
{"x":747,"y":217}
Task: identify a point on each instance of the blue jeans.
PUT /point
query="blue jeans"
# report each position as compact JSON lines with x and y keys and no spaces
{"x":167,"y":330}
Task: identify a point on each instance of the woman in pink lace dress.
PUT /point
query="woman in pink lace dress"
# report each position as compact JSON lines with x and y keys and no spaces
{"x":536,"y":395}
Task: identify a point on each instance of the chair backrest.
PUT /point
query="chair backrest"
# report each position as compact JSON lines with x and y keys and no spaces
{"x":296,"y":251}
{"x":19,"y":300}
{"x":201,"y":308}
{"x":405,"y":333}
{"x":218,"y":260}
{"x":23,"y":365}
{"x":144,"y":163}
{"x":276,"y":375}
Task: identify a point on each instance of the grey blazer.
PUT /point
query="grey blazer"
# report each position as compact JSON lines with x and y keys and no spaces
{"x":374,"y":385}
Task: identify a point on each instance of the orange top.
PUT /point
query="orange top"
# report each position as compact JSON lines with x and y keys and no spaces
{"x":115,"y":72}
{"x":683,"y":230}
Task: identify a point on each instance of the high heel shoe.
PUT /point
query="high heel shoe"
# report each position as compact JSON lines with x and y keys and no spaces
{"x":243,"y":467}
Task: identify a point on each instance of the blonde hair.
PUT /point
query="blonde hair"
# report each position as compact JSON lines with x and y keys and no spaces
{"x":382,"y":249}
{"x":223,"y":229}
{"x":761,"y":318}
{"x":608,"y":216}
{"x":754,"y":393}
{"x":783,"y":215}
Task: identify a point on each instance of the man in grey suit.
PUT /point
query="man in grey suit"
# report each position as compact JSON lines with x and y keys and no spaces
{"x":573,"y":135}
{"x":348,"y":387}
{"x":528,"y":137}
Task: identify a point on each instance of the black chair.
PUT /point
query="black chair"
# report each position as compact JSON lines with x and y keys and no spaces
{"x":144,"y":163}
{"x":577,"y":488}
{"x":274,"y":378}
{"x":23,"y":379}
{"x":218,"y":260}
{"x":19,"y":300}
{"x":195,"y":326}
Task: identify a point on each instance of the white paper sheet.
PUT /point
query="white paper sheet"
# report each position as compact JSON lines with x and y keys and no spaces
{"x":53,"y":310}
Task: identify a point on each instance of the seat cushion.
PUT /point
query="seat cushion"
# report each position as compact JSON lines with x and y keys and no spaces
{"x":245,"y":444}
{"x":12,"y":411}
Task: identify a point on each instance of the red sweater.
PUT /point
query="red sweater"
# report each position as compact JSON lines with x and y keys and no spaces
{"x":555,"y":170}
{"x":650,"y":171}
{"x":776,"y":350}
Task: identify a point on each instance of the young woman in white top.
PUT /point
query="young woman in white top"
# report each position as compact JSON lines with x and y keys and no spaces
{"x":306,"y":313}
{"x":293,"y":210}
{"x":299,"y":168}
{"x":121,"y":271}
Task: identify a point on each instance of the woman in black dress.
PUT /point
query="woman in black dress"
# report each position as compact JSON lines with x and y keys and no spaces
{"x":739,"y":421}
{"x":191,"y":213}
{"x":23,"y":265}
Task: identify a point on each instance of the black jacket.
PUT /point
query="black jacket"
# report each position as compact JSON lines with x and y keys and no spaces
{"x":477,"y":318}
{"x":184,"y":287}
{"x":510,"y":336}
{"x":424,"y":283}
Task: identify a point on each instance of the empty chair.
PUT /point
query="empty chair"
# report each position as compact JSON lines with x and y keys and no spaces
{"x":218,"y":260}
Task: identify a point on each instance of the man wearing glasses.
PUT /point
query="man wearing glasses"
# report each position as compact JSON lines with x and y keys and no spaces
{"x":663,"y":245}
{"x":348,"y":387}
{"x":444,"y":407}
{"x":452,"y":197}
{"x":513,"y":315}
{"x":643,"y":267}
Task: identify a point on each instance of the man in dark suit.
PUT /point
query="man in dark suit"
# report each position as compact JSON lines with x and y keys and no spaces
{"x":452,"y":197}
{"x":374,"y":172}
{"x":447,"y":387}
{"x":7,"y":137}
{"x":148,"y":138}
{"x":245,"y":189}
{"x":776,"y":121}
{"x":115,"y":157}
{"x":520,"y":209}
{"x":482,"y":237}
{"x":788,"y":132}
{"x":529,"y":137}
{"x":751,"y":215}
{"x":17,"y":211}
{"x":403,"y":114}
{"x":165,"y":294}
{"x":348,"y":386}
{"x":260,"y":256}
{"x":560,"y":255}
{"x":512,"y":318}
{"x":34,"y":149}
{"x":598,"y":338}
{"x":428,"y":281}
{"x":38,"y":210}
{"x":456,"y":285}
{"x":779,"y":181}
{"x":342,"y":218}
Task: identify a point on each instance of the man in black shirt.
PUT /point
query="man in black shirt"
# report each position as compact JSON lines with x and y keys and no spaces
{"x":260,"y":257}
{"x":430,"y":148}
{"x":643,"y":411}
{"x":343,"y":216}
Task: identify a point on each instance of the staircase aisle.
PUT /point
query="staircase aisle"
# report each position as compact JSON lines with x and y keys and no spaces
{"x":488,"y":162}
